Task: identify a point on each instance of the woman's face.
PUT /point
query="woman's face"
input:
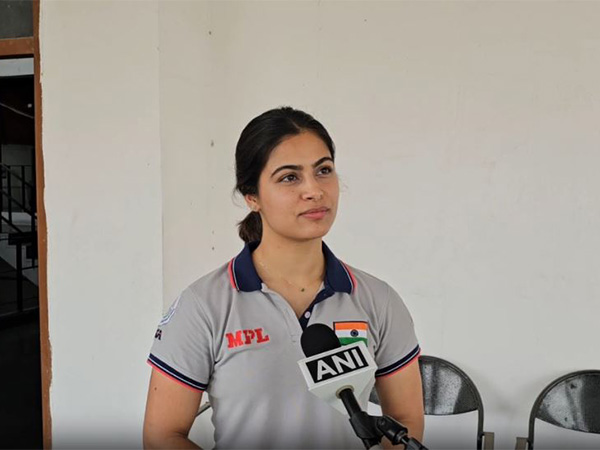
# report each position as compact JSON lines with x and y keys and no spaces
{"x":299,"y":176}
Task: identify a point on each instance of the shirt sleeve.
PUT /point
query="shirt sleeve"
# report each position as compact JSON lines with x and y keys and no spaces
{"x":182,"y":348}
{"x":398,"y":342}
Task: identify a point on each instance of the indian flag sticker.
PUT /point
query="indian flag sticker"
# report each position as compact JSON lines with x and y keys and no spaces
{"x":351,"y":332}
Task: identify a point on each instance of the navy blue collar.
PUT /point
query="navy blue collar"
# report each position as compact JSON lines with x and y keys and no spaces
{"x":244,"y":277}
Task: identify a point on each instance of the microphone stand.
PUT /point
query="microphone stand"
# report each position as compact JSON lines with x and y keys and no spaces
{"x":371,"y":429}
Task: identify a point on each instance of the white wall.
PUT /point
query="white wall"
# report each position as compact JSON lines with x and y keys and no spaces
{"x":468,"y":144}
{"x":103,"y":204}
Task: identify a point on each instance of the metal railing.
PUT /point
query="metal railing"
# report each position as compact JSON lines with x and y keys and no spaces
{"x":17,"y":196}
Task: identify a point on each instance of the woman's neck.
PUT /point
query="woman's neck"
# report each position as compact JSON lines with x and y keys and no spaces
{"x":301,"y":262}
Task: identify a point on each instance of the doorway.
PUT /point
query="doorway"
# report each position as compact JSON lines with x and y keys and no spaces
{"x":24,"y":343}
{"x":20,"y":416}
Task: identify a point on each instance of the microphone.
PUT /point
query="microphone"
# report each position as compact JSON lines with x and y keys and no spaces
{"x":335,"y":373}
{"x":330,"y":368}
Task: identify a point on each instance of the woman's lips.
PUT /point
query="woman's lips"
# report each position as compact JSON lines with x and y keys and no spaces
{"x":315,"y":215}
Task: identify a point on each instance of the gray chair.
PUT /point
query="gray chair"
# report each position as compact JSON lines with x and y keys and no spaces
{"x":447,"y":390}
{"x":571,"y":402}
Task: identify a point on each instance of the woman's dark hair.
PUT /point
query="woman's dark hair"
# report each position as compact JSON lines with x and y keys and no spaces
{"x":257,"y":141}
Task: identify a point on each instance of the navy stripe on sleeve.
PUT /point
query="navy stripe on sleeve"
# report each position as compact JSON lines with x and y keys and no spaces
{"x":399,"y":364}
{"x":175,"y":374}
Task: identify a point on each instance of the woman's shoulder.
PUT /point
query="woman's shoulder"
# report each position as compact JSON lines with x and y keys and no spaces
{"x":367,"y":283}
{"x":212,"y":285}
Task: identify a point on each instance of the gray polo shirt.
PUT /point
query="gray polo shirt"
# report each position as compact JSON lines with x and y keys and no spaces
{"x":228,"y":334}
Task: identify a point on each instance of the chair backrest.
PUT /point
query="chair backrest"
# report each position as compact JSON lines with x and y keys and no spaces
{"x":447,"y":390}
{"x":571,"y":401}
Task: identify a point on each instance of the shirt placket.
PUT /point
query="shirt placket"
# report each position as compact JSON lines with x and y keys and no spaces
{"x":287,"y":312}
{"x":294,"y":324}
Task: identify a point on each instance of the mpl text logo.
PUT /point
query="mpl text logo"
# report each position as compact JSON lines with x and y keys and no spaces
{"x":240,"y":338}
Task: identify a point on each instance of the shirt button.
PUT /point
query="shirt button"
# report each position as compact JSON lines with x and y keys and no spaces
{"x":307,"y":314}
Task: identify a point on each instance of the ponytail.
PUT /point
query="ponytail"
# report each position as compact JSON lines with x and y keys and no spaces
{"x":250,"y":228}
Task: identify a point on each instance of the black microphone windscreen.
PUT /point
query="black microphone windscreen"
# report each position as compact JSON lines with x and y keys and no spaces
{"x":318,"y":338}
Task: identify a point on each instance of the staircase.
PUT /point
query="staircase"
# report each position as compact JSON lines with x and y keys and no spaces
{"x":18,"y":241}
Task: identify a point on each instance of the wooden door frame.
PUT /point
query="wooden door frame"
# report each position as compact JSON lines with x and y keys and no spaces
{"x":15,"y":48}
{"x":23,"y":48}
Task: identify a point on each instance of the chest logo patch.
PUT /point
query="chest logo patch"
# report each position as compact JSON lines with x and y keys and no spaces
{"x":241,"y":338}
{"x":351,"y":332}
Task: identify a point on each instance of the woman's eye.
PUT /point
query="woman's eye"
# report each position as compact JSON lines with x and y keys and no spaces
{"x":286,"y":179}
{"x":326,"y":169}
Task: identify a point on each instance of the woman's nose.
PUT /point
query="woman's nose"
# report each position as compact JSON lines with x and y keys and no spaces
{"x":312,"y":190}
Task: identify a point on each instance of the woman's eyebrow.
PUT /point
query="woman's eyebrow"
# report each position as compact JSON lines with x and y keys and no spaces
{"x":296,"y":167}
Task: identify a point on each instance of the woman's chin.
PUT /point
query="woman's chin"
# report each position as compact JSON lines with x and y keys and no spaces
{"x":315,"y":234}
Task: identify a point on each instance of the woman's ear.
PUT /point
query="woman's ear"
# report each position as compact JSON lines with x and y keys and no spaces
{"x":252,"y":202}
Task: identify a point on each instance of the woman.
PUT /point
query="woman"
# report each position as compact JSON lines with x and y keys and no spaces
{"x":235,"y":332}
